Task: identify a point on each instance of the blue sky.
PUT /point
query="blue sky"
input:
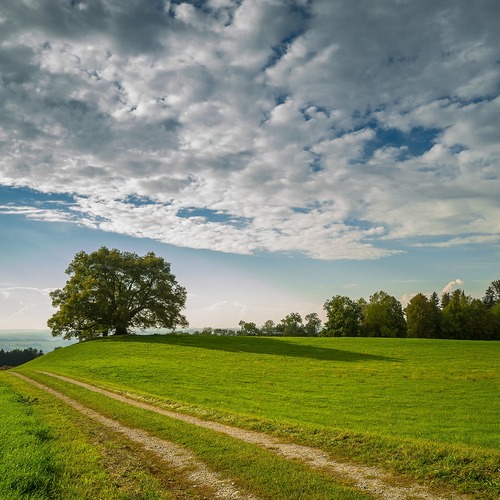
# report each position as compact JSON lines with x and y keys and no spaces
{"x":276,"y":153}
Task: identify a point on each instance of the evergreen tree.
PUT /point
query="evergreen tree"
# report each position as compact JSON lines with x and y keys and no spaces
{"x":445,"y":299}
{"x":492,"y":294}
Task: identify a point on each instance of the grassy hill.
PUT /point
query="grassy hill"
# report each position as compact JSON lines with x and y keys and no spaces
{"x":425,"y":408}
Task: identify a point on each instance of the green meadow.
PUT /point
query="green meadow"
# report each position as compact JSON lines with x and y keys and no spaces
{"x":427,"y":409}
{"x":49,"y":451}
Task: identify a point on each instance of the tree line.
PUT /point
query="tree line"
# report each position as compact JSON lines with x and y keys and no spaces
{"x":114,"y":292}
{"x":452,"y":316}
{"x":17,"y":357}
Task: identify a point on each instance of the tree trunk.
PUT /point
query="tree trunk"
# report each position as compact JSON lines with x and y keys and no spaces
{"x":121,"y":330}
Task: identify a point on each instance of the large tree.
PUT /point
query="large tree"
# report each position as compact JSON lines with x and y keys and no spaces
{"x":110,"y":291}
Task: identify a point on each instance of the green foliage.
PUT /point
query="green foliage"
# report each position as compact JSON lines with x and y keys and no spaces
{"x":468,"y":318}
{"x":492,"y":294}
{"x":383,"y":317}
{"x":268,"y":328}
{"x":17,"y":357}
{"x":423,"y":317}
{"x":292,"y":325}
{"x":344,"y":317}
{"x":312,"y":325}
{"x":113,"y":291}
{"x":455,"y":316}
{"x":249,"y":328}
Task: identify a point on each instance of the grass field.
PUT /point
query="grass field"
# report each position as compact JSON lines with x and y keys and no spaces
{"x":48,"y":451}
{"x":426,"y":408}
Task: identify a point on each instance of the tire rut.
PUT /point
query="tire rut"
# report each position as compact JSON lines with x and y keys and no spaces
{"x":178,"y":457}
{"x":368,"y":479}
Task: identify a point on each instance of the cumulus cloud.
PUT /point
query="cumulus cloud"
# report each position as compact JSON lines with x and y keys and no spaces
{"x":452,"y":285}
{"x":332,"y":129}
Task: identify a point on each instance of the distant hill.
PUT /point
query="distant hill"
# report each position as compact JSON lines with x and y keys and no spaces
{"x":38,"y":339}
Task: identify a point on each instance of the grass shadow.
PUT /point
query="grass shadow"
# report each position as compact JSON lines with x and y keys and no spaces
{"x":257,"y":345}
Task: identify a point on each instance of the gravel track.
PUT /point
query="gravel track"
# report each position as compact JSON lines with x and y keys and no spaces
{"x":368,"y":479}
{"x":176,"y":456}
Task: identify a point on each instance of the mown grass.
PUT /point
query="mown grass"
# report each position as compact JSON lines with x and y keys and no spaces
{"x":49,"y":451}
{"x":26,"y":465}
{"x":251,"y":469}
{"x":428,"y":408}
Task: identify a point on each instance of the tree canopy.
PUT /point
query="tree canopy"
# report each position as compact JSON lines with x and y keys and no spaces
{"x":423,"y":317}
{"x":344,"y":317}
{"x":17,"y":357}
{"x":383,"y":317}
{"x":110,"y":291}
{"x":453,"y":316}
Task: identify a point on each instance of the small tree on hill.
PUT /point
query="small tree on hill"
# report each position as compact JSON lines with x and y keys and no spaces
{"x":113,"y":291}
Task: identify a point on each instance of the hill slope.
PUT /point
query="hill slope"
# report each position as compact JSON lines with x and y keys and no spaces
{"x":425,"y":408}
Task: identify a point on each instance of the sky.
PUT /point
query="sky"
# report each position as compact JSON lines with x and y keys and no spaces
{"x":275,"y":152}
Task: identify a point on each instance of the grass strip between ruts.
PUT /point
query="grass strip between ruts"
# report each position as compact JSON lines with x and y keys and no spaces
{"x":251,"y":468}
{"x":49,"y":451}
{"x":445,"y":466}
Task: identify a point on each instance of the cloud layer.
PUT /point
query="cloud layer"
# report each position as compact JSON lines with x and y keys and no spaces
{"x":335,"y":129}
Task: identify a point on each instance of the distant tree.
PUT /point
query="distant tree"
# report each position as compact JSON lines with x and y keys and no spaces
{"x":492,"y":294}
{"x":269,"y":328}
{"x":312,"y":325}
{"x":435,"y":312}
{"x":421,"y":318}
{"x":113,"y":291}
{"x":468,"y":318}
{"x":292,"y":325}
{"x":18,"y":357}
{"x":362,"y":305}
{"x":495,"y":321}
{"x":454,"y":315}
{"x":249,"y":328}
{"x":445,"y":299}
{"x":343,"y":317}
{"x":478,"y":320}
{"x":223,"y":332}
{"x":383,"y":317}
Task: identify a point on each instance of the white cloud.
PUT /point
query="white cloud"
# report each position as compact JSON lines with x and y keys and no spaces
{"x":278,"y":115}
{"x":452,"y":285}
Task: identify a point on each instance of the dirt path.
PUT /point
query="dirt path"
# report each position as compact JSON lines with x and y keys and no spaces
{"x":196,"y":472}
{"x":369,"y":479}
